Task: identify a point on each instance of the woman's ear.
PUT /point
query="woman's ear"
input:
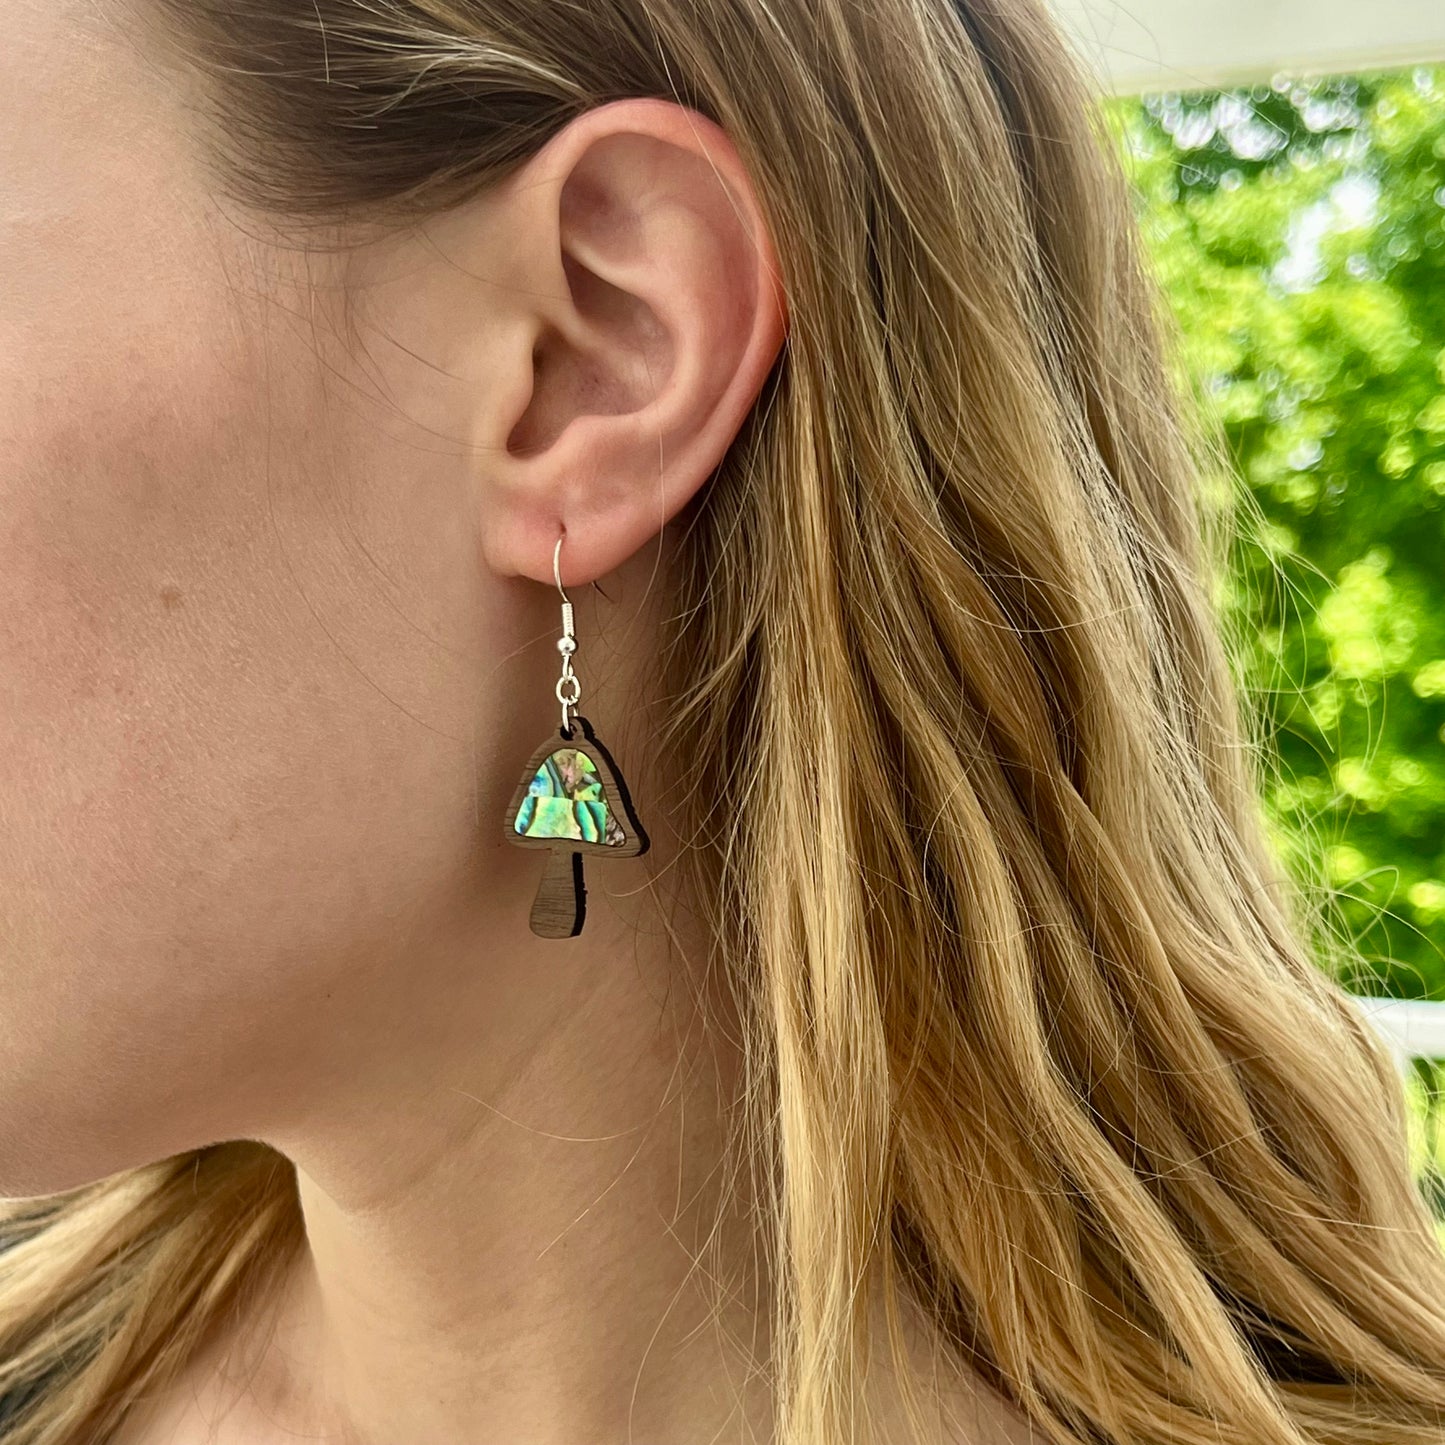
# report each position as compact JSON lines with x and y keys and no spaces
{"x":648,"y":313}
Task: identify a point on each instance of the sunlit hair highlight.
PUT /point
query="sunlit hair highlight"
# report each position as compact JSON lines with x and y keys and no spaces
{"x":1036,"y":1040}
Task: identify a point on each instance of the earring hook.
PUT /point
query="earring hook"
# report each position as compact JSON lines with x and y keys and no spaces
{"x":556,"y":566}
{"x":557,"y":571}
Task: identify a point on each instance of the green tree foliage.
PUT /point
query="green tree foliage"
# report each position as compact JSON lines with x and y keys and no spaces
{"x":1299,"y":231}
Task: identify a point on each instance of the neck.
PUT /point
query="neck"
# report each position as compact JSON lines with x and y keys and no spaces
{"x":531,"y":1243}
{"x":514,"y":1248}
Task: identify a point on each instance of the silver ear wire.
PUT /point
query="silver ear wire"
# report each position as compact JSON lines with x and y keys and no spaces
{"x":557,"y":565}
{"x":556,"y":553}
{"x":569,"y":689}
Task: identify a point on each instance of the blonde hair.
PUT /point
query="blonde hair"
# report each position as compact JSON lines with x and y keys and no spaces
{"x":1036,"y":1040}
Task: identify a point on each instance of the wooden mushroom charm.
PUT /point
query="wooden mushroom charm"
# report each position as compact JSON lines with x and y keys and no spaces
{"x":573,"y":801}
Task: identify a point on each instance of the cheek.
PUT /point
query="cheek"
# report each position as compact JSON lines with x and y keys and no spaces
{"x":210,"y":807}
{"x":115,"y":445}
{"x":203,"y":801}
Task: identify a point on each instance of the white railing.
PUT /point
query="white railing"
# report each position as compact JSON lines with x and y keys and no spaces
{"x":1414,"y":1030}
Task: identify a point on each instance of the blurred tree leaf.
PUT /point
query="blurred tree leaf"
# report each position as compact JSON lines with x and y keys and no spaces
{"x":1299,"y":232}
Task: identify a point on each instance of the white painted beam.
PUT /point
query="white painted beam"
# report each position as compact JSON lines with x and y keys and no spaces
{"x":1414,"y":1030}
{"x":1137,"y":45}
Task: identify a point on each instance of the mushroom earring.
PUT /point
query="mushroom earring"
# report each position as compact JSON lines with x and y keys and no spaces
{"x":572,"y":800}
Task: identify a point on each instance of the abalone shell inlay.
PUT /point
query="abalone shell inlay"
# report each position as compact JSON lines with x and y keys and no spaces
{"x":566,"y":800}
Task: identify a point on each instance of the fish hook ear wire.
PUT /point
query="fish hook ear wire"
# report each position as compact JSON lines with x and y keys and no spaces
{"x":556,"y":569}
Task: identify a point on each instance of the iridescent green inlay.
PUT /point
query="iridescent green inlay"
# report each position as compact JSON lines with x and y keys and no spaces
{"x":565,"y":800}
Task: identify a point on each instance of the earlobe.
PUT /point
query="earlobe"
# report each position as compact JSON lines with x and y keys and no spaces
{"x":650,"y":290}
